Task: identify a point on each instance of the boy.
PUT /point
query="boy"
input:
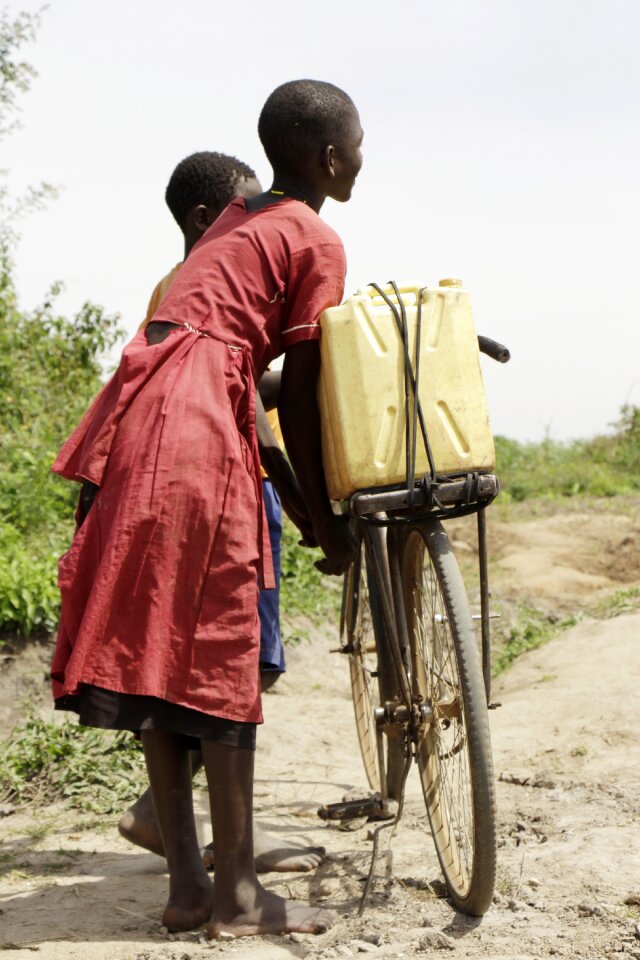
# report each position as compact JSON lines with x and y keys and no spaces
{"x":159,"y":627}
{"x":199,"y":189}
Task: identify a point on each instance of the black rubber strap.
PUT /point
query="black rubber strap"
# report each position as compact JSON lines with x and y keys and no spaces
{"x":410,"y":380}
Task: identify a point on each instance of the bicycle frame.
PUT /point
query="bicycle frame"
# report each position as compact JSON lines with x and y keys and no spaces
{"x":431,"y":712}
{"x":400,"y":508}
{"x":406,"y":714}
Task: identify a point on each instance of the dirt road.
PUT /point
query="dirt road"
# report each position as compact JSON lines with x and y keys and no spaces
{"x":566,"y":758}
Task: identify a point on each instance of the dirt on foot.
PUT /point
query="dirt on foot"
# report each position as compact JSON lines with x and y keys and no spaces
{"x":566,"y":756}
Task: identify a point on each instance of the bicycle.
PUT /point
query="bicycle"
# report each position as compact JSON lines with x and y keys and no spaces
{"x":406,"y":625}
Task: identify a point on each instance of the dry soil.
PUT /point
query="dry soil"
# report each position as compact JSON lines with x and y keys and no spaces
{"x":565,"y":744}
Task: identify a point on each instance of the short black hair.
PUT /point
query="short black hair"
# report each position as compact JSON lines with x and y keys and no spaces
{"x":205,"y":177}
{"x":301,"y":116}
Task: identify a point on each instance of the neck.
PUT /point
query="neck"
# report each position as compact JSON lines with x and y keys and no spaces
{"x":190,"y":241}
{"x":298,"y":190}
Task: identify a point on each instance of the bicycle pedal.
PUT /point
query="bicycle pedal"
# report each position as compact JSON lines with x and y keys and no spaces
{"x":494,"y":706}
{"x":371,"y":807}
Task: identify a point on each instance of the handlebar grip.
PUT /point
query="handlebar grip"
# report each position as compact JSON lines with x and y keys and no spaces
{"x":497,"y":351}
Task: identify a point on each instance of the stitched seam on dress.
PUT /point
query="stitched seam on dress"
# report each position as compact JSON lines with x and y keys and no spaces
{"x":300,"y":326}
{"x":201,"y":333}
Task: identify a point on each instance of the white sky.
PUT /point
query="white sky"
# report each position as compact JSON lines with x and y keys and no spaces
{"x":501,"y":146}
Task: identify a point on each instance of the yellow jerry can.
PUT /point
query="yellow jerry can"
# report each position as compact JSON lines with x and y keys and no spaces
{"x":361,"y":391}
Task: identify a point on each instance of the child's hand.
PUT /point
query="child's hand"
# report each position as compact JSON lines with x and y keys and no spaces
{"x":296,"y":509}
{"x":339,"y":544}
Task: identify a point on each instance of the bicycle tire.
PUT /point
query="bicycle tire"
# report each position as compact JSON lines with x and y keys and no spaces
{"x":358,"y":632}
{"x":454,"y":752}
{"x":372,"y":674}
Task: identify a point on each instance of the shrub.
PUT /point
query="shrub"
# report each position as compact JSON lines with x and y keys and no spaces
{"x":94,"y":770}
{"x":303,"y":589}
{"x":49,"y":372}
{"x":603,"y":466}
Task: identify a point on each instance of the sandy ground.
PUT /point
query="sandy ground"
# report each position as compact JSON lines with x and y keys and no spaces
{"x":566,"y":755}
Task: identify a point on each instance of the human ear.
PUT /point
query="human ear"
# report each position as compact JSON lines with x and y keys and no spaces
{"x":329,"y":160}
{"x":204,"y":216}
{"x":201,"y":218}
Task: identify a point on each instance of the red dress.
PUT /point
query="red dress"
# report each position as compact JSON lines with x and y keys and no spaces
{"x":160,"y":586}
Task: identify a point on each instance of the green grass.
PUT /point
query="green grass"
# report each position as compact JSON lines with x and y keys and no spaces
{"x":622,"y":601}
{"x":532,"y":629}
{"x":604,"y":466}
{"x":303,"y":589}
{"x":92,"y":770}
{"x":50,"y":370}
{"x":29,"y":597}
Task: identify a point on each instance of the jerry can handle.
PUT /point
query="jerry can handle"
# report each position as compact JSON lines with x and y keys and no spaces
{"x":497,"y":351}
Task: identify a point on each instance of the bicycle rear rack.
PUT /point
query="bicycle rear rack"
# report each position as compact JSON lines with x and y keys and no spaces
{"x":446,"y":499}
{"x":441,"y":499}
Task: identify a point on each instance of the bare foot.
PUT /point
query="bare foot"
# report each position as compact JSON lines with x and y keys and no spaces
{"x":189,"y":909}
{"x":138,"y":825}
{"x":272,"y":853}
{"x":268,"y":914}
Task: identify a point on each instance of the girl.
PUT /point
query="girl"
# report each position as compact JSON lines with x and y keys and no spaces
{"x":159,"y":628}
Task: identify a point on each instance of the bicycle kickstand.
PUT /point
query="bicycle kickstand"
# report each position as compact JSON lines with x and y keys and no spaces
{"x":387,"y":824}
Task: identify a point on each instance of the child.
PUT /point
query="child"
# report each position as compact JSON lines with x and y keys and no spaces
{"x":199,"y":189}
{"x":159,"y":627}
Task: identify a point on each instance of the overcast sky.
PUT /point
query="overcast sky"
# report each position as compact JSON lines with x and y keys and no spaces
{"x":501,"y":146}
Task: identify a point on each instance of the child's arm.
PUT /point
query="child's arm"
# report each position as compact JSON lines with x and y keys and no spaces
{"x":282,"y":476}
{"x":269,"y":388}
{"x":300,"y":421}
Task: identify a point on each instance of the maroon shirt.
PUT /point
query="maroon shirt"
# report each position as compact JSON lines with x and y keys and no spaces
{"x":159,"y":588}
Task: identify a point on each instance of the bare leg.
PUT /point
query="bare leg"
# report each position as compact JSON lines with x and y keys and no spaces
{"x":139,"y":824}
{"x":241,"y":905}
{"x":190,"y":890}
{"x":272,"y":852}
{"x":274,"y":855}
{"x":268,"y":678}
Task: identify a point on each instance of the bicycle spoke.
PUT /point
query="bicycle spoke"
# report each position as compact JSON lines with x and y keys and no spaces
{"x":443,"y":750}
{"x":362,"y":666}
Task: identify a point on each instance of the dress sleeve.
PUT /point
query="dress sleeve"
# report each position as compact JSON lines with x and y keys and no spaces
{"x":154,"y":303}
{"x":316,"y":281}
{"x":160,"y":291}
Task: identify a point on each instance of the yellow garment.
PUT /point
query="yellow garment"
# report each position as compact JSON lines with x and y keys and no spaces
{"x":160,"y":291}
{"x":274,"y":423}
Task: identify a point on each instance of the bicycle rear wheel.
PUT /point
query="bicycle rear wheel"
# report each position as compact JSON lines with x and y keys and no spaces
{"x":358,"y":635}
{"x":454,"y":752}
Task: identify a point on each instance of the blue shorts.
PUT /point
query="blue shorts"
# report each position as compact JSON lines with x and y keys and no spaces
{"x":271,"y":648}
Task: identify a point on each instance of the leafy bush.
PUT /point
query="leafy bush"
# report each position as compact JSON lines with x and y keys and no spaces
{"x":603,"y":466}
{"x":94,"y":770}
{"x":303,"y":589}
{"x":29,"y":598}
{"x":49,"y":372}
